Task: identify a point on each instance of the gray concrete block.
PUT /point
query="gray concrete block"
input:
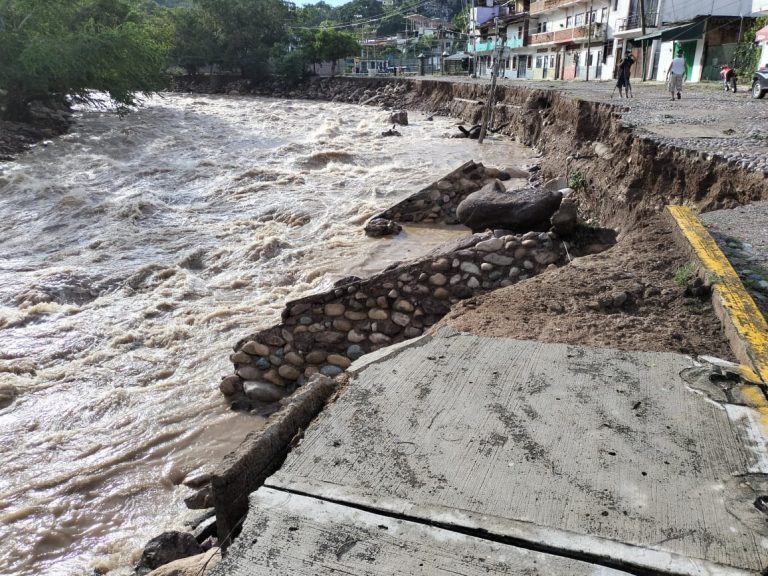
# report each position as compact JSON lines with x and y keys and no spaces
{"x":587,"y":451}
{"x":299,"y":535}
{"x":261,"y":453}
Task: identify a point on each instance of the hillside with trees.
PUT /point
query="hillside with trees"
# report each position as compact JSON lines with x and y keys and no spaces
{"x":56,"y":50}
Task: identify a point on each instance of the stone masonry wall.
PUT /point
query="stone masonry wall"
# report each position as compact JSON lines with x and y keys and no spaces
{"x":326,"y":332}
{"x":438,"y":202}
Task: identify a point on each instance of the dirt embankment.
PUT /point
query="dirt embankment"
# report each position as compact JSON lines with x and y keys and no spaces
{"x":626,"y":178}
{"x":632,"y":297}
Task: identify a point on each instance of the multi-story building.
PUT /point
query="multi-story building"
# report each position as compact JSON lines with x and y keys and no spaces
{"x":707,"y":33}
{"x":569,"y":37}
{"x":760,"y":8}
{"x":544,"y":39}
{"x":586,"y":39}
{"x":498,"y":30}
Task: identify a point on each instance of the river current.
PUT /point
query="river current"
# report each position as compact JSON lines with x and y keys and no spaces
{"x":133,"y":253}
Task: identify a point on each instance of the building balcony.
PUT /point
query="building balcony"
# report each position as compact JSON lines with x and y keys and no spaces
{"x":541,"y":6}
{"x":541,"y":38}
{"x":486,"y":46}
{"x":632,"y":26}
{"x":490,"y":45}
{"x":569,"y":35}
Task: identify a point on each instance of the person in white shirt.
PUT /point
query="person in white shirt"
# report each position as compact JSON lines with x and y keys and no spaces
{"x":677,"y":70}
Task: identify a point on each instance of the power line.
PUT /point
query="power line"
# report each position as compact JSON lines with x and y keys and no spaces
{"x":357,"y":23}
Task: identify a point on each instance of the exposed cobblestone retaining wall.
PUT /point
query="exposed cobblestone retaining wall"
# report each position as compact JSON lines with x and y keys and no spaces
{"x":625,"y":179}
{"x":326,"y":332}
{"x":438,"y":201}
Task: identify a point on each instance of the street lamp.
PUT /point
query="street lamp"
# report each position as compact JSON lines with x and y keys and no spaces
{"x":442,"y":64}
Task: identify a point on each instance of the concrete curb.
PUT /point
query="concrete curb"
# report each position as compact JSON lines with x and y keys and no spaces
{"x":261,"y":454}
{"x":744,"y":325}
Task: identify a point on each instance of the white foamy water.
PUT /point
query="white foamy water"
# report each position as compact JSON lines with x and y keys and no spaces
{"x":133,"y":254}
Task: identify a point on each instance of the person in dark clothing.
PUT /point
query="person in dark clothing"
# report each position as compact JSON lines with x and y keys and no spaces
{"x":625,"y":66}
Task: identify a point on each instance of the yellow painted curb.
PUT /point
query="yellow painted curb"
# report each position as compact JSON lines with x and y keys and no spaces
{"x":744,"y":325}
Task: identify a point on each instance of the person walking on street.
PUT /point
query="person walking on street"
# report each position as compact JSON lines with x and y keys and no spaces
{"x":728,"y":74}
{"x":677,"y":70}
{"x":625,"y":66}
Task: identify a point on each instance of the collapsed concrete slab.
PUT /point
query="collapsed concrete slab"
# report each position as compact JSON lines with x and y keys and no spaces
{"x":297,"y":534}
{"x":606,"y":456}
{"x":261,"y":453}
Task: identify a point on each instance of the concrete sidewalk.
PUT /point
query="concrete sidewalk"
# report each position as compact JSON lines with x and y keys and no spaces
{"x":462,"y":454}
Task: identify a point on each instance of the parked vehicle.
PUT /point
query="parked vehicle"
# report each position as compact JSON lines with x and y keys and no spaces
{"x":760,"y":83}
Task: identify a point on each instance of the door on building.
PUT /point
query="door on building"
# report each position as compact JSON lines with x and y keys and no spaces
{"x":637,"y":68}
{"x":689,"y":53}
{"x":521,"y":62}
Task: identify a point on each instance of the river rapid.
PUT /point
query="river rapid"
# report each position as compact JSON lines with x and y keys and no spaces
{"x":133,"y":253}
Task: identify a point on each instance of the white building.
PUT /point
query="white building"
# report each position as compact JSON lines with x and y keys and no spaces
{"x":569,"y":38}
{"x":585,"y":39}
{"x":706,"y":32}
{"x":760,"y":8}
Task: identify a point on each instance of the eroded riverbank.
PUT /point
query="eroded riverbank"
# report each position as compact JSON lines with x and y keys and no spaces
{"x":174,"y":275}
{"x":135,"y":252}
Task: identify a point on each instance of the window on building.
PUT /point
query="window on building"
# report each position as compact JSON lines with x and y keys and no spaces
{"x":578,"y":20}
{"x":552,"y":61}
{"x":604,"y":15}
{"x":530,"y":61}
{"x":514,"y":61}
{"x":519,"y":31}
{"x":539,"y":62}
{"x":569,"y":22}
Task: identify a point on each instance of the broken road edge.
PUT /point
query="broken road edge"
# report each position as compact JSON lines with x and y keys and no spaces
{"x":743,"y":323}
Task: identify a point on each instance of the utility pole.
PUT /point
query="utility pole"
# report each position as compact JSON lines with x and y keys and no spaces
{"x":643,"y":43}
{"x":589,"y":36}
{"x":488,"y":109}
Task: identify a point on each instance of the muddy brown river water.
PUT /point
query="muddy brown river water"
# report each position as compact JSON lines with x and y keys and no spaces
{"x":133,"y":253}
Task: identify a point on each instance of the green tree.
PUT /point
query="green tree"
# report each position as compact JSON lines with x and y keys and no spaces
{"x":54,"y":49}
{"x":747,"y":54}
{"x":247,"y":32}
{"x":196,"y":41}
{"x":460,"y":21}
{"x":330,"y":45}
{"x":391,"y":25}
{"x":357,"y":10}
{"x":313,"y":14}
